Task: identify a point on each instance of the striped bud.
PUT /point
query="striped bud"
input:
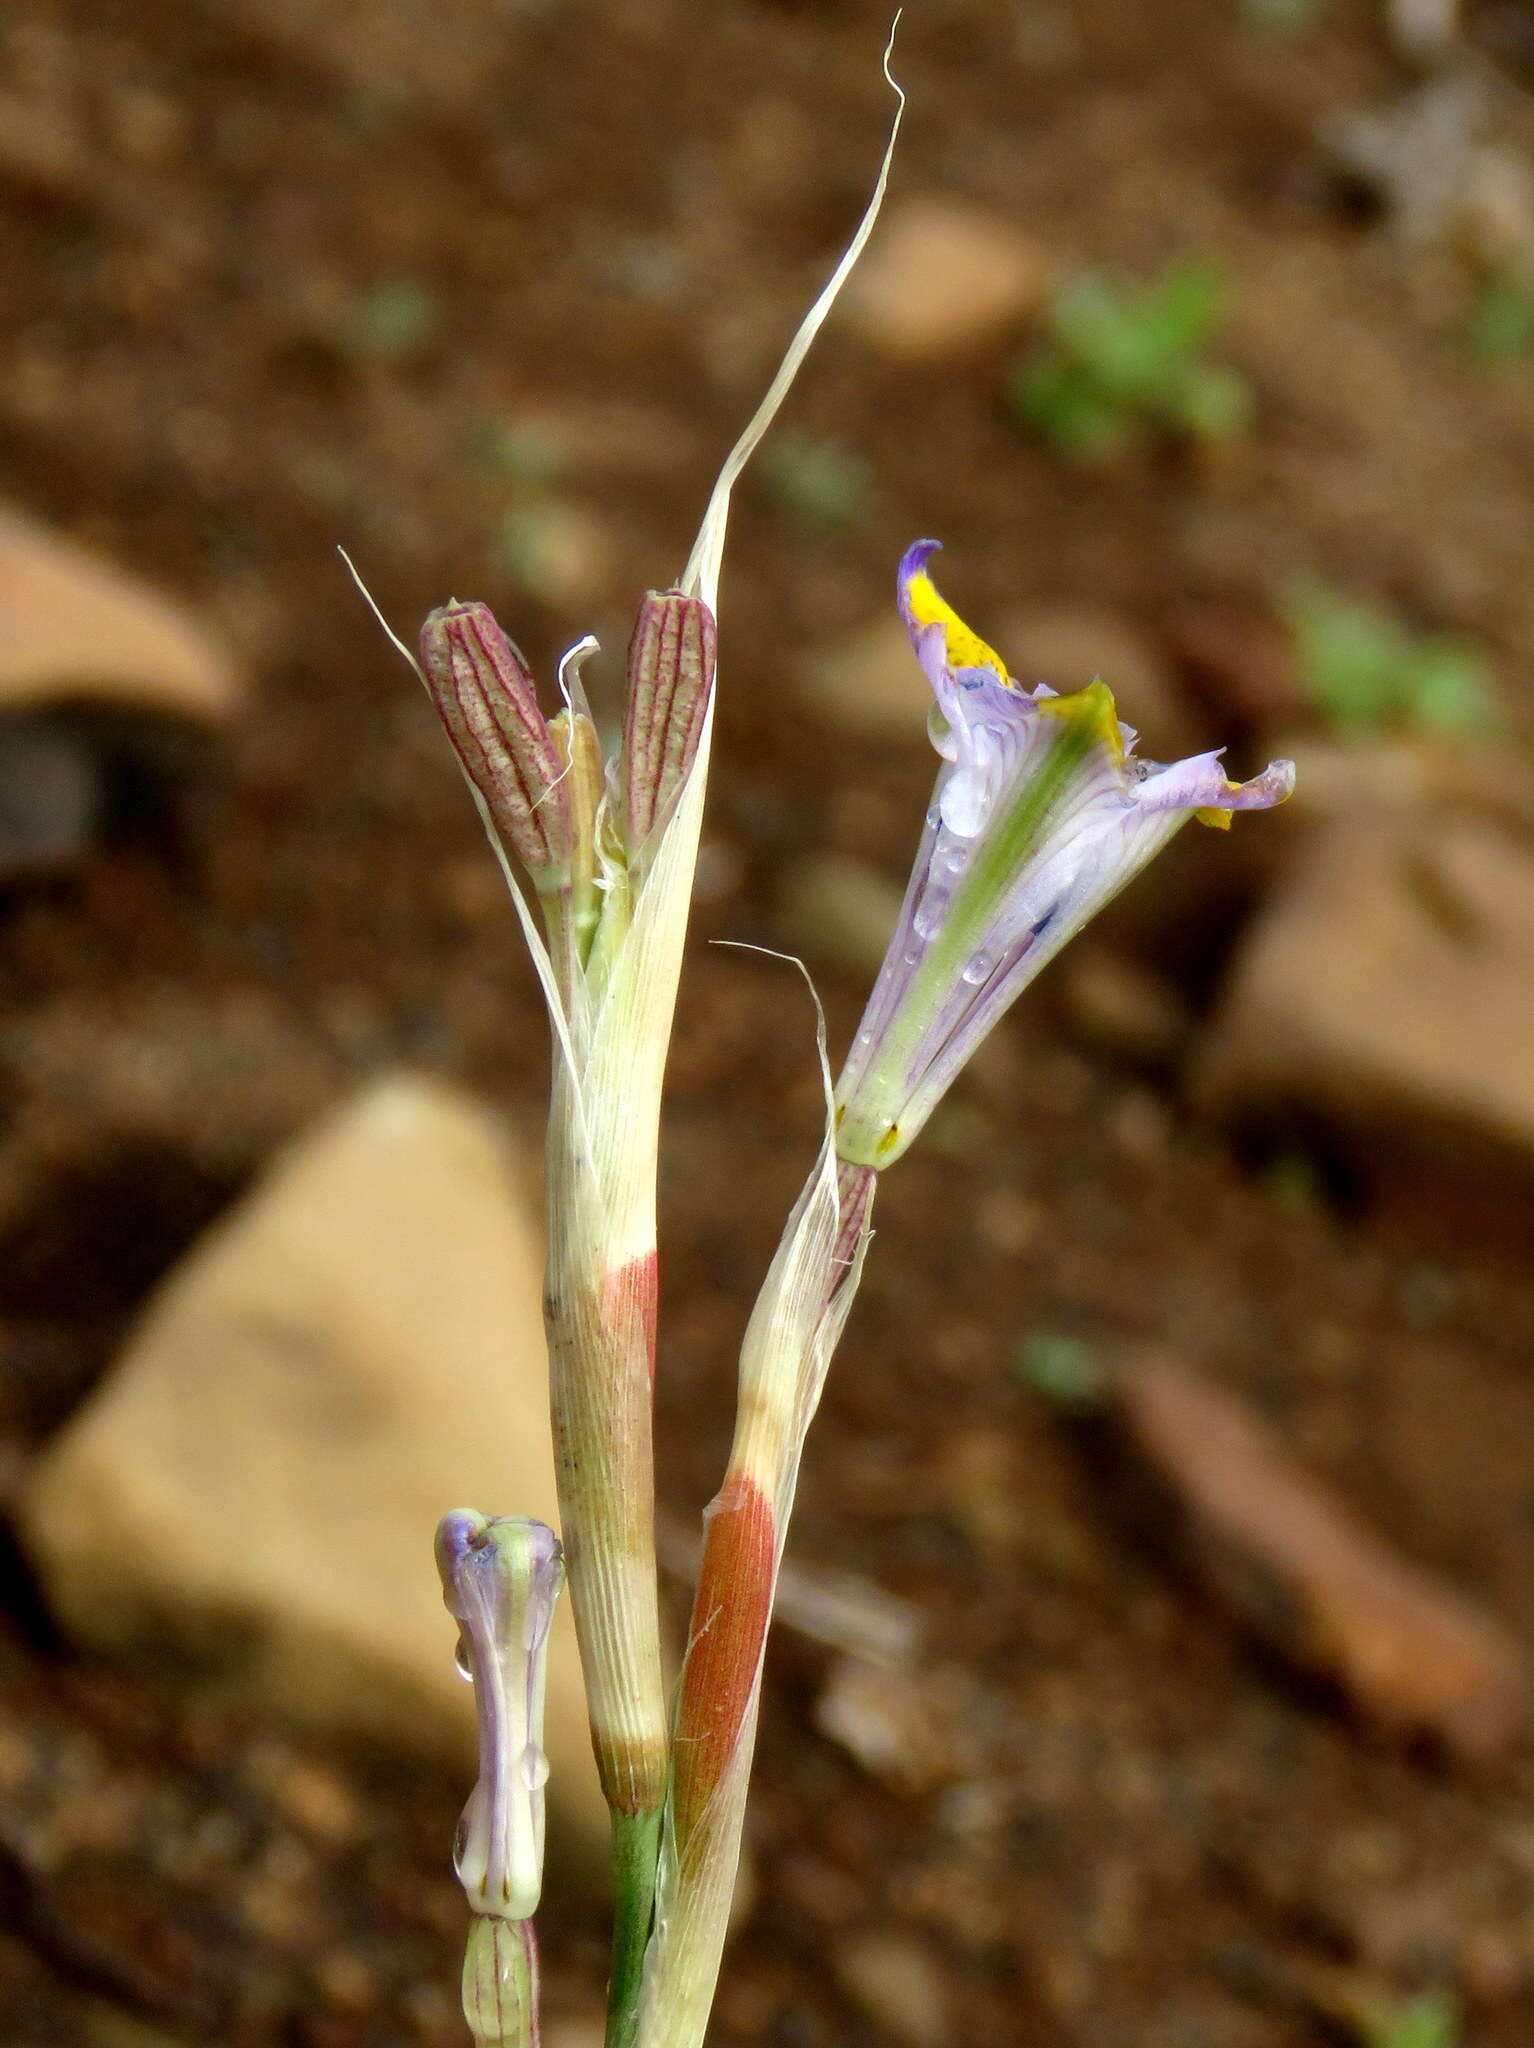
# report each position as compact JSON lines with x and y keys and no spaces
{"x":485,"y":698}
{"x":500,"y":1983}
{"x":671,"y":676}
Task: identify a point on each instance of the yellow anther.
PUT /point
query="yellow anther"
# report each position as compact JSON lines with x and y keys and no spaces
{"x":965,"y":649}
{"x":1094,"y":712}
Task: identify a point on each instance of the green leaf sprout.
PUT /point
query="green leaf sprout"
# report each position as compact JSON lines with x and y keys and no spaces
{"x":1118,"y":359}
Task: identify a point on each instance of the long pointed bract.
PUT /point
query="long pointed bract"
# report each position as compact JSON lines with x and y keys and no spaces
{"x":702,"y":572}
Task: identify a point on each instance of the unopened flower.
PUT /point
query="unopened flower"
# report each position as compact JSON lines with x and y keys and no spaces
{"x":486,"y":699}
{"x":500,"y":1580}
{"x":582,"y":830}
{"x":1040,"y":816}
{"x":500,"y":1983}
{"x":671,"y":673}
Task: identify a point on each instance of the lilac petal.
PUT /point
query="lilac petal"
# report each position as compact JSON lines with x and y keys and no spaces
{"x":1199,"y":783}
{"x":500,"y":1580}
{"x":1040,"y":816}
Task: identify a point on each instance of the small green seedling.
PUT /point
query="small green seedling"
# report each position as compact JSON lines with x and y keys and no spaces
{"x":1281,"y":17}
{"x":1064,"y":1369}
{"x":519,"y":451}
{"x":1293,"y":1180}
{"x":1430,"y":2020}
{"x":1362,"y":669}
{"x":819,"y":483}
{"x":394,"y":321}
{"x":1501,"y":323}
{"x":1120,"y":359}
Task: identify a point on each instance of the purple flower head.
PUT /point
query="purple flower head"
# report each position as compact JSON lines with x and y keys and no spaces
{"x":500,"y":1580}
{"x":1040,"y":815}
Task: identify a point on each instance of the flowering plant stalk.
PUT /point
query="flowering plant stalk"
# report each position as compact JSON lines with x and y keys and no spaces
{"x":1040,"y":814}
{"x":608,"y":851}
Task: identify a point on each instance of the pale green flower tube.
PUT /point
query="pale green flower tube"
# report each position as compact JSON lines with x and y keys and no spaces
{"x":500,"y":1580}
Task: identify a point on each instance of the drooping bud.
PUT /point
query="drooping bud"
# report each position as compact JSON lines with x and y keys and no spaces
{"x":500,"y":1580}
{"x":671,"y":673}
{"x":485,"y":698}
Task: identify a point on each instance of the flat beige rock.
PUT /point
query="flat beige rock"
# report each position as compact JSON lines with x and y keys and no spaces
{"x":248,"y":1503}
{"x":838,"y":911}
{"x":73,"y":625}
{"x":867,"y":681}
{"x":943,"y":280}
{"x":1388,"y":990}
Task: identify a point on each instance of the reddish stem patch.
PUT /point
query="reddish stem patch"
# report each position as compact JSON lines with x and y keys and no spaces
{"x":730,"y":1614}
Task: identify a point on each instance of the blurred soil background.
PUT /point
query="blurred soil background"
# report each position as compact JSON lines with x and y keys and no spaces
{"x":1152,"y":1670}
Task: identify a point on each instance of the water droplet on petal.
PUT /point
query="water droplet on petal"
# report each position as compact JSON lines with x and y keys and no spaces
{"x":934,"y":818}
{"x":977,"y":968}
{"x":535,"y":1768}
{"x":928,"y":920}
{"x":463,"y":1660}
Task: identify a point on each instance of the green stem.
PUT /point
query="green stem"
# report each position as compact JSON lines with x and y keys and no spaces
{"x":636,"y":1856}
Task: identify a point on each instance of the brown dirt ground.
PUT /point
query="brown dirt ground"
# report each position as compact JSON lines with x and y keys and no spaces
{"x":604,"y":218}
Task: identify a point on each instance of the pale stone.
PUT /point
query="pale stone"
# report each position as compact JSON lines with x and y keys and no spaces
{"x":1389,"y":989}
{"x":1413,"y":1654}
{"x":75,"y":626}
{"x":899,"y":1984}
{"x":248,"y":1502}
{"x":838,"y":911}
{"x":1121,"y":1008}
{"x":903,"y":1726}
{"x":943,"y":280}
{"x":868,"y":681}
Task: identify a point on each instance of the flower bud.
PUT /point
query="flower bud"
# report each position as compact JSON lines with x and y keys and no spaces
{"x":500,"y":1983}
{"x":671,"y":676}
{"x":500,"y":1580}
{"x":485,"y":698}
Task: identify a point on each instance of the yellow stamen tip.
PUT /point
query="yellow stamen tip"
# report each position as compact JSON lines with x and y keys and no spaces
{"x":965,"y":649}
{"x":1094,"y":710}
